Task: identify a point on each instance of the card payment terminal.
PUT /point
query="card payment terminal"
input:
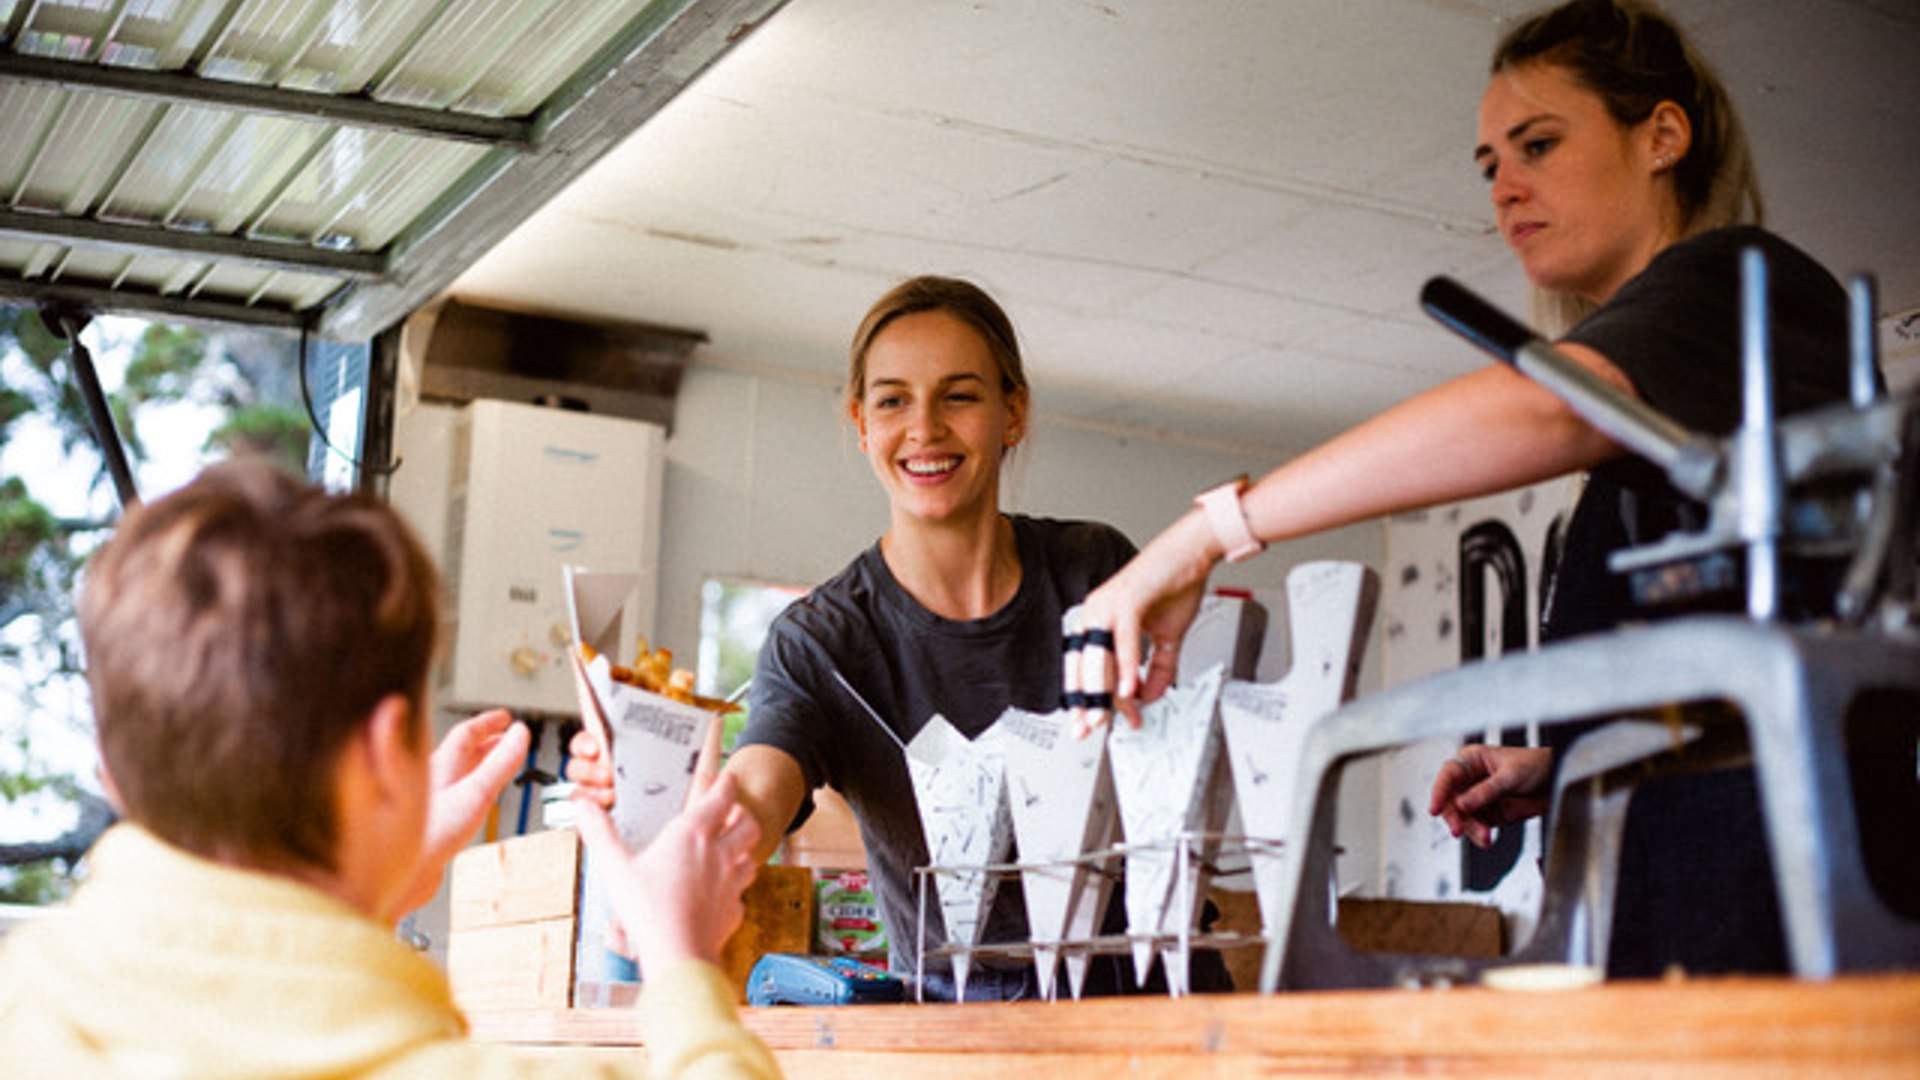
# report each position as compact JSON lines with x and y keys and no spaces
{"x":790,"y":979}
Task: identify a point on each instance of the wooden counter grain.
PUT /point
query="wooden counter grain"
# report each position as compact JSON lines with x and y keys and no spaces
{"x":1858,"y":1026}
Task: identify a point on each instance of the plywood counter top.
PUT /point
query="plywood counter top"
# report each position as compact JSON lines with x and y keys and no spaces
{"x":1857,"y":1026}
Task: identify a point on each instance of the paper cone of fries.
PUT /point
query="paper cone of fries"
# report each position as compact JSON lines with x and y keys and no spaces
{"x":961,"y":790}
{"x":655,"y":742}
{"x":1061,"y":794}
{"x":1171,"y":777}
{"x":652,"y":741}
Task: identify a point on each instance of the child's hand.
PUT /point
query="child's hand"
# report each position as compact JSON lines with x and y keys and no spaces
{"x":680,"y":898}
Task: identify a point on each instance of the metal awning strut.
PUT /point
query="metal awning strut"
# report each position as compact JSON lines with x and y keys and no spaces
{"x":505,"y":133}
{"x":183,"y":243}
{"x":67,"y":322}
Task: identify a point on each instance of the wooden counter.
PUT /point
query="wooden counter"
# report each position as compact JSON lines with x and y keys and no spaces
{"x":1859,"y":1026}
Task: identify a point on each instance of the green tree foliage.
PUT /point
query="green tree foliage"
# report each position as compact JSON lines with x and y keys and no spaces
{"x":275,"y":432}
{"x":248,"y":376}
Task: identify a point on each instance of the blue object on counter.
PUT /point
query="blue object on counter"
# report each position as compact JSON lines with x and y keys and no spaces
{"x":789,"y":979}
{"x":617,"y":968}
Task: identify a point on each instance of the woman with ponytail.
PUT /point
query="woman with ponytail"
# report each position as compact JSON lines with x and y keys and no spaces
{"x":1620,"y":178}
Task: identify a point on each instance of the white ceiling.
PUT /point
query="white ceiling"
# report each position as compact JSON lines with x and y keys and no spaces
{"x":1208,"y":219}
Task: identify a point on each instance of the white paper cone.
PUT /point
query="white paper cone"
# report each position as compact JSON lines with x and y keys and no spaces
{"x":1061,"y":795}
{"x":656,"y":744}
{"x":1167,"y":777}
{"x":1046,"y":965}
{"x":1077,"y":973}
{"x":1329,"y":610}
{"x":960,"y":788}
{"x":652,"y":742}
{"x":1177,"y":972}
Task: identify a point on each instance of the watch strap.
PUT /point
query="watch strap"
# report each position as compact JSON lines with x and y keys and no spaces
{"x":1229,"y":520}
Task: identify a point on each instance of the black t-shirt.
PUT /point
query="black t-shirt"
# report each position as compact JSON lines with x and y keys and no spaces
{"x":1696,"y":884}
{"x":910,"y":664}
{"x":1674,"y":331}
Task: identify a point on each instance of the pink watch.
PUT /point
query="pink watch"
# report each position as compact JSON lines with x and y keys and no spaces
{"x":1229,"y":521}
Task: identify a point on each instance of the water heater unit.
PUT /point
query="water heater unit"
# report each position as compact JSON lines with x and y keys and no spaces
{"x":533,"y":489}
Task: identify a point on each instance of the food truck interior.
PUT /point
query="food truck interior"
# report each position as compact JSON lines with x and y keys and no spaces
{"x":574,"y":282}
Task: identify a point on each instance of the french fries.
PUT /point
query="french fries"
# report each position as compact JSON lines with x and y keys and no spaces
{"x":653,"y":671}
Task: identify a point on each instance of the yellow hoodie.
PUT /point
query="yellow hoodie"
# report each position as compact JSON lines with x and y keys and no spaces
{"x":166,"y":965}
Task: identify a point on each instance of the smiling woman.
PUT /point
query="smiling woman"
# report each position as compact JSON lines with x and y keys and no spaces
{"x":937,"y":391}
{"x":955,"y":612}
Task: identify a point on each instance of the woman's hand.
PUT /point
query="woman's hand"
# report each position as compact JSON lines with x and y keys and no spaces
{"x":589,"y":770}
{"x":680,"y":898}
{"x":1483,"y":787}
{"x":1150,"y":602}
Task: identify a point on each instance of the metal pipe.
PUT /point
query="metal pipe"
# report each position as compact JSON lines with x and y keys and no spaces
{"x":354,"y":110}
{"x":1690,"y":461}
{"x":1863,"y":353}
{"x":174,"y":307}
{"x":105,"y":434}
{"x":1760,"y":493}
{"x":181,"y":243}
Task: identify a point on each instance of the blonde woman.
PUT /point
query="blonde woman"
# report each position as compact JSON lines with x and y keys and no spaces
{"x":1620,"y":178}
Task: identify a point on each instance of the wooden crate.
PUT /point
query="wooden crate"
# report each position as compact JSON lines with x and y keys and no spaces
{"x":514,"y":922}
{"x":779,"y":919}
{"x":512,"y":913}
{"x":1423,"y":927}
{"x":1394,"y":926}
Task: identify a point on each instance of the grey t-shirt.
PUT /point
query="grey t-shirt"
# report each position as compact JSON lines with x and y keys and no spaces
{"x":1674,"y":330}
{"x":910,"y":664}
{"x":1695,"y":884}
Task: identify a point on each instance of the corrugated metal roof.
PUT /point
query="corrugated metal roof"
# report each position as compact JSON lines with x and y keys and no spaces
{"x":105,"y":176}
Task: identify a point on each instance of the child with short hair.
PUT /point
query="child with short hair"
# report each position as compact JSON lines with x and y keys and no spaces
{"x":258,"y":652}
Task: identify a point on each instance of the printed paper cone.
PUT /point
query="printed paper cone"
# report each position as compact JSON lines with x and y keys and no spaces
{"x":1142,"y":948}
{"x":1077,"y":973}
{"x":652,"y":742}
{"x":1329,"y":610}
{"x":1090,"y":908}
{"x":1176,"y":972}
{"x":1046,"y":966}
{"x":656,"y":744}
{"x":1061,"y":794}
{"x":1168,"y":779}
{"x":961,"y":790}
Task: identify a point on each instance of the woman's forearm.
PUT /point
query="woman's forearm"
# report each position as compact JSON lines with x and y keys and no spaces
{"x":771,"y":788}
{"x":1481,"y":433}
